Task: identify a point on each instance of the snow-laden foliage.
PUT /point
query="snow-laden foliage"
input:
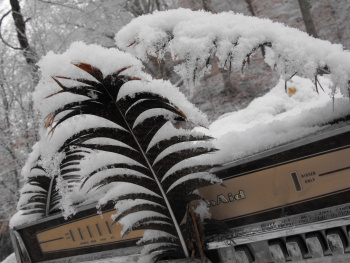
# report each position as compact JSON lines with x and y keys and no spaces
{"x":115,"y":135}
{"x":195,"y":37}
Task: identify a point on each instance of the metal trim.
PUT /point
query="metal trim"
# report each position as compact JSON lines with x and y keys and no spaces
{"x":285,"y":226}
{"x":297,"y":143}
{"x":22,"y":255}
{"x":131,"y":254}
{"x":15,"y":246}
{"x":54,"y":216}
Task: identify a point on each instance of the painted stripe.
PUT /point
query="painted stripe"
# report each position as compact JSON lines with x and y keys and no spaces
{"x":71,"y":234}
{"x":335,"y":171}
{"x":108,"y":228}
{"x":88,"y":229}
{"x":98,"y":229}
{"x":51,"y":240}
{"x":80,"y":233}
{"x":296,"y":181}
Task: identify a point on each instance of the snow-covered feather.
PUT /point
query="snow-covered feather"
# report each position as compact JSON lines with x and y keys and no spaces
{"x":116,"y":162}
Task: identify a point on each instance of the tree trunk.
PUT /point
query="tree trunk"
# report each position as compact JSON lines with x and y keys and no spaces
{"x":308,"y":21}
{"x":251,"y":10}
{"x":28,"y":52}
{"x":250,"y":7}
{"x":31,"y":59}
{"x":206,"y":5}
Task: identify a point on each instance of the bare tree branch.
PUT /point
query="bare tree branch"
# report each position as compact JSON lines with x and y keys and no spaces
{"x":58,"y":4}
{"x":308,"y":21}
{"x":28,"y":52}
{"x":250,"y":7}
{"x":7,"y":187}
{"x":1,"y":37}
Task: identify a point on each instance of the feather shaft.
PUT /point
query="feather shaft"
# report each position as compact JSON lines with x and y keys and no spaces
{"x":172,"y":215}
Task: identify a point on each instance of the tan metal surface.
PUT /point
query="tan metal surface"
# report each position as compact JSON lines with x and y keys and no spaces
{"x":91,"y":231}
{"x":274,"y":187}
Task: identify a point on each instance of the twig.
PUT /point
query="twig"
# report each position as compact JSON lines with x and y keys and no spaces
{"x":285,"y":82}
{"x":197,"y":233}
{"x":285,"y":86}
{"x":2,"y":39}
{"x":293,"y":75}
{"x":6,"y":187}
{"x":319,"y":84}
{"x":247,"y":60}
{"x":55,"y":3}
{"x":324,"y":70}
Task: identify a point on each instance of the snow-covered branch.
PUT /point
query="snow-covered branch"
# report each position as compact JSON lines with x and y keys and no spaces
{"x":196,"y":37}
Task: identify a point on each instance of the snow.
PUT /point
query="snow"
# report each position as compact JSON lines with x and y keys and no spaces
{"x":277,"y":118}
{"x":147,"y":248}
{"x":206,"y":159}
{"x":31,"y":188}
{"x":203,"y":175}
{"x":108,"y":61}
{"x":96,"y":161}
{"x":10,"y":259}
{"x":120,"y":189}
{"x":50,"y":144}
{"x":168,"y":131}
{"x":100,"y":176}
{"x":269,"y":121}
{"x":23,"y":201}
{"x":67,"y":197}
{"x":51,"y":163}
{"x":132,"y":220}
{"x":124,"y":205}
{"x":202,"y":210}
{"x":166,"y":90}
{"x":154,"y":234}
{"x":20,"y":219}
{"x":194,"y":37}
{"x":31,"y":161}
{"x":180,"y":147}
{"x":153,"y":113}
{"x":62,"y":65}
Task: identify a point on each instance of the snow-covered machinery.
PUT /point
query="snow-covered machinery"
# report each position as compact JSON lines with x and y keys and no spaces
{"x":287,"y":204}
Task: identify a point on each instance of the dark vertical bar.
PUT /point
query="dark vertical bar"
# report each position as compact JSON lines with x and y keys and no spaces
{"x":89,"y":231}
{"x":80,"y":234}
{"x":99,"y":230}
{"x":71,"y":234}
{"x":109,"y":229}
{"x":296,"y":181}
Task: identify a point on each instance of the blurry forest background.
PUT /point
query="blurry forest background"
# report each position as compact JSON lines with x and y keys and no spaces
{"x":31,"y":28}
